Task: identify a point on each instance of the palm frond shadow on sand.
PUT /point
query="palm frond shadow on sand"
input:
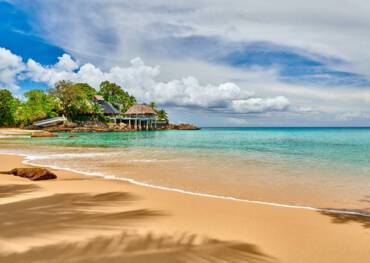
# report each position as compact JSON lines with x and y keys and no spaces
{"x":61,"y":212}
{"x":339,"y":218}
{"x":16,"y":189}
{"x":137,"y":248}
{"x":80,"y":211}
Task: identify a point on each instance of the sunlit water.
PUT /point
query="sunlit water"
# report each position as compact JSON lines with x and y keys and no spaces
{"x":318,"y":167}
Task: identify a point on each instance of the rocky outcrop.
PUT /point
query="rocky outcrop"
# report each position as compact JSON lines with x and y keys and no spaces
{"x":43,"y":134}
{"x":96,"y":126}
{"x":181,"y":126}
{"x":34,"y":174}
{"x":89,"y":127}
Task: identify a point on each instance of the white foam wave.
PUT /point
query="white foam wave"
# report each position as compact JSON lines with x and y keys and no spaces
{"x":77,"y":155}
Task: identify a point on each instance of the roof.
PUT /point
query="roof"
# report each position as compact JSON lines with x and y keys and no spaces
{"x":108,"y":108}
{"x":140,"y":109}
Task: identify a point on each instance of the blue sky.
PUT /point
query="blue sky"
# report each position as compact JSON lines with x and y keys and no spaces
{"x":17,"y":35}
{"x":251,"y":64}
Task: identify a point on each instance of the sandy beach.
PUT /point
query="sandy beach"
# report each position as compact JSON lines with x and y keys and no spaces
{"x":184,"y":131}
{"x":91,"y":219}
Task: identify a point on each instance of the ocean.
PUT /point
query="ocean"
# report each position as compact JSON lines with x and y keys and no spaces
{"x":325,"y":168}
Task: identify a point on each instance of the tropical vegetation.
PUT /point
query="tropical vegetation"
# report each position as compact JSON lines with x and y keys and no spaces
{"x":73,"y":100}
{"x":161,"y":113}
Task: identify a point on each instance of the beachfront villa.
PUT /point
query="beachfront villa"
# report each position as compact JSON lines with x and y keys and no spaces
{"x":137,"y":117}
{"x":141,"y":117}
{"x":107,"y":108}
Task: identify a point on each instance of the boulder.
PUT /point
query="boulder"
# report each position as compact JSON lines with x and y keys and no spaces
{"x":34,"y":174}
{"x":43,"y":134}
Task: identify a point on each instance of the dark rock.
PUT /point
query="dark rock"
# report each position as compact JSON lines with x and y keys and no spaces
{"x":34,"y":174}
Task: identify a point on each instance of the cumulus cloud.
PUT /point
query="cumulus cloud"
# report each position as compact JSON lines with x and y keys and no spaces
{"x":141,"y":81}
{"x":10,"y":67}
{"x":66,"y":63}
{"x":258,"y":105}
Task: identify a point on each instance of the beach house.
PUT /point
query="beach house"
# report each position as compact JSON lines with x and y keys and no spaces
{"x":141,"y":117}
{"x":107,"y":108}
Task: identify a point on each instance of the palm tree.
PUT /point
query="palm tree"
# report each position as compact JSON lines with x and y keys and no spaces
{"x":153,"y":106}
{"x":162,"y":115}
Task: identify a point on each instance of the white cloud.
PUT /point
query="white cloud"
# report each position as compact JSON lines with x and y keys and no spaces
{"x":258,"y":105}
{"x":66,"y":63}
{"x":141,"y":81}
{"x":10,"y":67}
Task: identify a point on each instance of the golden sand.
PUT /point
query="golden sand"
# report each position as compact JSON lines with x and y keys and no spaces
{"x":89,"y":219}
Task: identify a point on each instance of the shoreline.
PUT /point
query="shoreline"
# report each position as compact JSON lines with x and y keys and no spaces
{"x":285,"y":234}
{"x":28,"y":161}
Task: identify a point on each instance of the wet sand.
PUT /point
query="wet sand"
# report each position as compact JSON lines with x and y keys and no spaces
{"x":89,"y":219}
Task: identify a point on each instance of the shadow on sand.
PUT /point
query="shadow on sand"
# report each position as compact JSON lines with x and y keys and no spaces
{"x":16,"y":189}
{"x":134,"y":248}
{"x":59,"y":213}
{"x":67,"y":212}
{"x":341,"y":218}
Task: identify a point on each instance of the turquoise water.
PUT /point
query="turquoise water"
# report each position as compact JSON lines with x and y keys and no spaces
{"x":319,"y":167}
{"x":336,"y":145}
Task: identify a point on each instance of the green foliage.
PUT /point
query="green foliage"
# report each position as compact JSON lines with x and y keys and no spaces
{"x":76,"y":99}
{"x":114,"y":94}
{"x":38,"y":106}
{"x":8,"y":108}
{"x":89,"y":91}
{"x":153,"y":106}
{"x":161,"y":113}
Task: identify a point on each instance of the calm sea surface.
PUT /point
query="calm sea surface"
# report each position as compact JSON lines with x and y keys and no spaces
{"x":319,"y":167}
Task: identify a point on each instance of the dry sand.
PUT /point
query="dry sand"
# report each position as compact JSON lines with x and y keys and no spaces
{"x":89,"y":219}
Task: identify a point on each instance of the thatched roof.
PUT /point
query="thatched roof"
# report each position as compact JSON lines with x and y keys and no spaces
{"x":142,"y":109}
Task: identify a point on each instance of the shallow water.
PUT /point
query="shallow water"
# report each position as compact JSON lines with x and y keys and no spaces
{"x":317,"y":167}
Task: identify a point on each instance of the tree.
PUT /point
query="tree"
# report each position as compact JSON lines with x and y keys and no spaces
{"x":76,"y":99}
{"x":89,"y":91}
{"x":38,"y":105}
{"x":161,"y":113}
{"x":8,"y":108}
{"x":114,"y":94}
